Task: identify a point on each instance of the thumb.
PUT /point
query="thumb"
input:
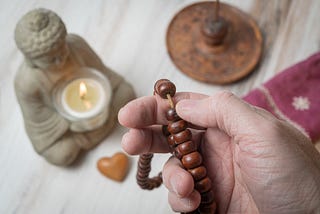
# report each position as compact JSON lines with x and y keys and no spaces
{"x":223,"y":110}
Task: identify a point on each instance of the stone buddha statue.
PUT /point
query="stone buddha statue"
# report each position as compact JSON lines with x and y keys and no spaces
{"x":49,"y":53}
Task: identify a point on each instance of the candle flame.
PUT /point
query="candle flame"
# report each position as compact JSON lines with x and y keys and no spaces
{"x":82,"y":90}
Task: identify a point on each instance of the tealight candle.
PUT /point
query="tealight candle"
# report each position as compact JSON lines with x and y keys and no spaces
{"x":84,"y":99}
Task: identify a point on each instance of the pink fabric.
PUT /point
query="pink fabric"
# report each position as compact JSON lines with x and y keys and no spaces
{"x":294,"y":95}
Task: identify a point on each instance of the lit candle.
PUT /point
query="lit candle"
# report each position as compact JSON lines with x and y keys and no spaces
{"x":84,"y":98}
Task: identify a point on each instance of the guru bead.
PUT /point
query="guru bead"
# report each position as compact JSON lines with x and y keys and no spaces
{"x":163,"y":87}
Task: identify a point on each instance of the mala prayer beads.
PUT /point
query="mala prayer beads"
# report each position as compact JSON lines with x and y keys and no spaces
{"x":179,"y":138}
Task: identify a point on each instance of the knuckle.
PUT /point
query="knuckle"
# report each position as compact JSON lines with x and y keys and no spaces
{"x":221,"y":100}
{"x":219,"y":104}
{"x":223,"y":96}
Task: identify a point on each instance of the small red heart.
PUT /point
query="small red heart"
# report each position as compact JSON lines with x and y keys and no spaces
{"x":115,"y":167}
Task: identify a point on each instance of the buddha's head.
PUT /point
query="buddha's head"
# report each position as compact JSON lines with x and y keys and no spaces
{"x":40,"y":35}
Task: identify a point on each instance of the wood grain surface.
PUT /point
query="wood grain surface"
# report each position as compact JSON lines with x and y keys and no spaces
{"x":129,"y":36}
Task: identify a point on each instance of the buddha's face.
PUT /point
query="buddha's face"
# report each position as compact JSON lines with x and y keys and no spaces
{"x":53,"y":60}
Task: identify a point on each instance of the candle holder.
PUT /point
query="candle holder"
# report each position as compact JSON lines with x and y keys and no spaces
{"x":214,"y":42}
{"x":84,"y":114}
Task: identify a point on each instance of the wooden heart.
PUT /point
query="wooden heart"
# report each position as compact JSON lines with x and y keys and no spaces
{"x":115,"y":167}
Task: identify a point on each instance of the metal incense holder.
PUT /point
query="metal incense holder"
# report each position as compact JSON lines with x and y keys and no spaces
{"x":214,"y":42}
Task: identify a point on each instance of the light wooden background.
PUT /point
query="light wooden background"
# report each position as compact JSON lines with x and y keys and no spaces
{"x":129,"y":35}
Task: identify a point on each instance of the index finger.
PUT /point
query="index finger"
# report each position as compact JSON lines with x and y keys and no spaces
{"x":150,"y":110}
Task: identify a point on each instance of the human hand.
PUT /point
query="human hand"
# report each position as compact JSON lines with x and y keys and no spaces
{"x":256,"y":162}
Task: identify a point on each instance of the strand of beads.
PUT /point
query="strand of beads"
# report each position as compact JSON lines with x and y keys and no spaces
{"x":144,"y":168}
{"x":180,"y":139}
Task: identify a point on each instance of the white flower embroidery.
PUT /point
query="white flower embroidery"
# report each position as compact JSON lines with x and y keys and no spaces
{"x":301,"y":103}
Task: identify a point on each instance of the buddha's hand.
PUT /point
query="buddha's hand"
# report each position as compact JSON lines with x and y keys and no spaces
{"x":257,"y":163}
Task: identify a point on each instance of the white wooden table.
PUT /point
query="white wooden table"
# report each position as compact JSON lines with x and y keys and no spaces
{"x":129,"y":36}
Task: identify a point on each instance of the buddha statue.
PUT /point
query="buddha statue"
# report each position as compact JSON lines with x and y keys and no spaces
{"x":50,"y":53}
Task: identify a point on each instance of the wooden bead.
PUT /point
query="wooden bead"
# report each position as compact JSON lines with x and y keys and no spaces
{"x":144,"y":167}
{"x":177,"y":126}
{"x":172,"y":115}
{"x":208,"y":208}
{"x":163,"y":87}
{"x":171,"y":141}
{"x":191,"y":160}
{"x":159,"y":82}
{"x":177,"y":154}
{"x":146,"y":156}
{"x":198,"y":173}
{"x":203,"y":185}
{"x":186,"y":147}
{"x":165,"y":131}
{"x":143,"y":164}
{"x":141,"y":178}
{"x":144,"y":171}
{"x":141,"y":174}
{"x":183,"y":136}
{"x":207,"y":197}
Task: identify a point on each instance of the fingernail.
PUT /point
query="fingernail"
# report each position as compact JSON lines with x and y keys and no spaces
{"x":185,"y":106}
{"x":120,"y":111}
{"x":124,"y":137}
